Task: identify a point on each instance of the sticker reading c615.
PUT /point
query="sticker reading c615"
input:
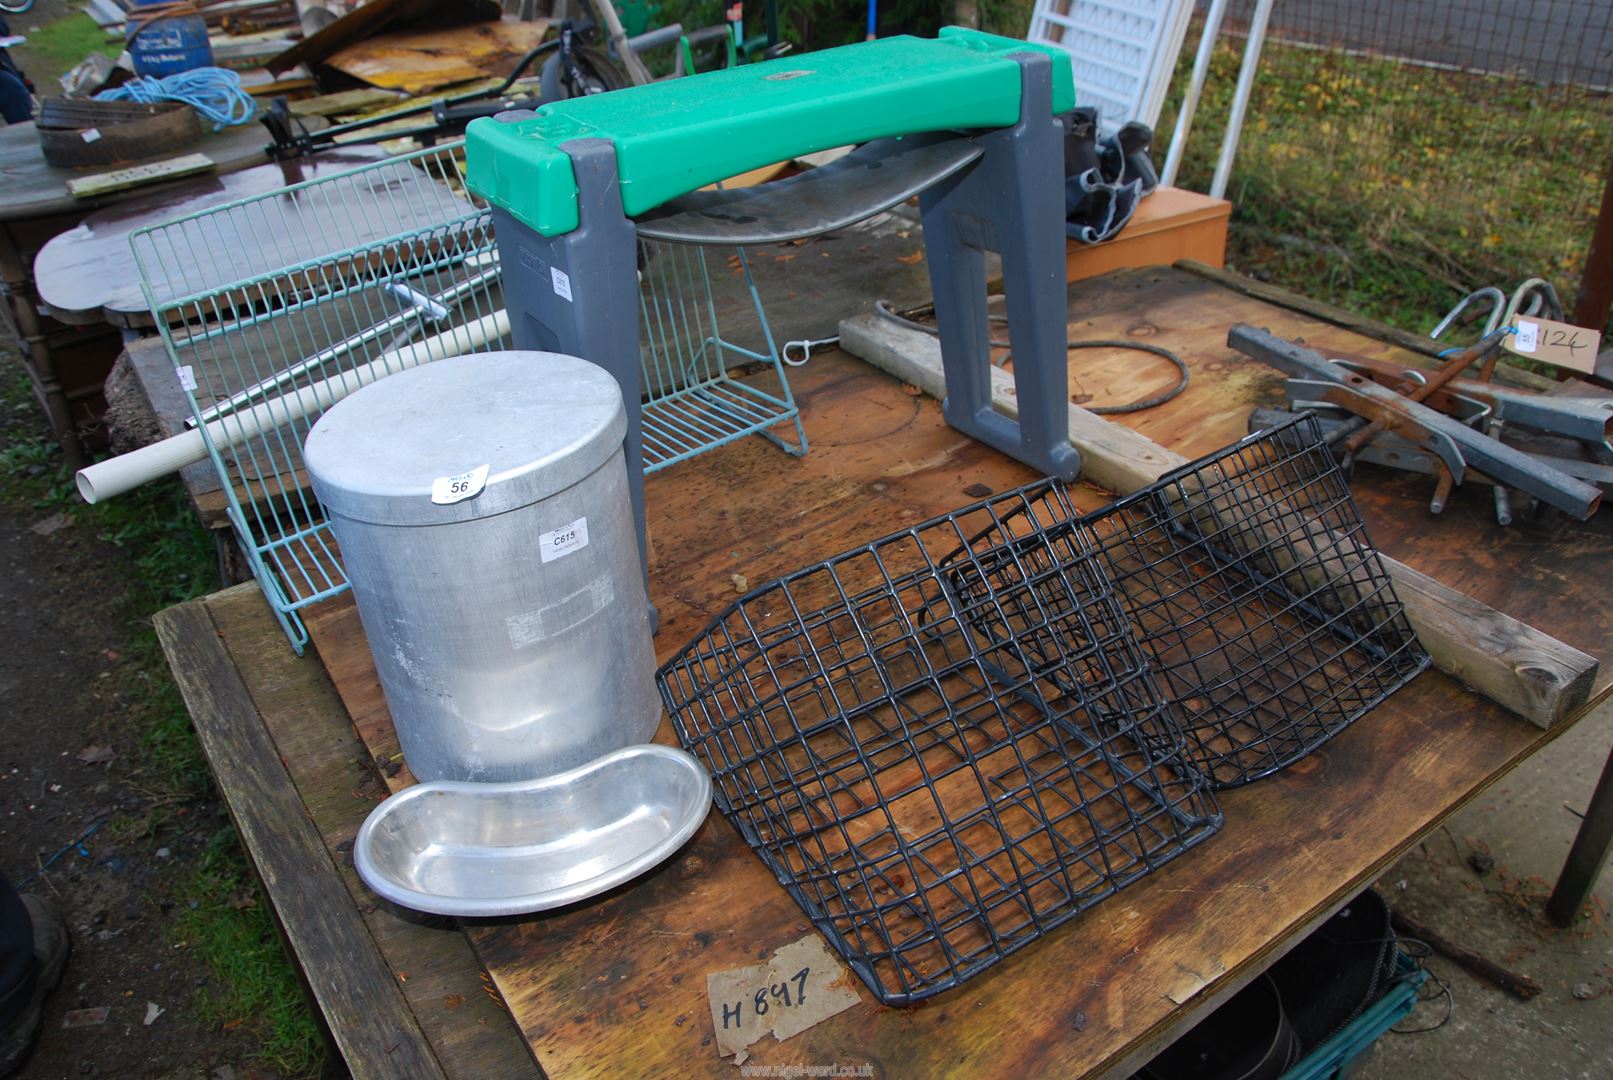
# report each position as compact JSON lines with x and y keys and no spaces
{"x":560,"y":542}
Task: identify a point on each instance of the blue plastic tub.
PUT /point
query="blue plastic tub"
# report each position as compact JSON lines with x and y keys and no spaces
{"x":168,"y":45}
{"x":1336,"y":1058}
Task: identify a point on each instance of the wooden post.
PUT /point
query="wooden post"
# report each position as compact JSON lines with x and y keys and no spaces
{"x":1596,"y":284}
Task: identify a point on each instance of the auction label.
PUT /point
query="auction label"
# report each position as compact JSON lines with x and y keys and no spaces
{"x":802,"y":985}
{"x":1557,"y":343}
{"x":563,"y":541}
{"x":447,"y":490}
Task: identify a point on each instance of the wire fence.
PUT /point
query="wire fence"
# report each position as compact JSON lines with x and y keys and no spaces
{"x":1398,"y":154}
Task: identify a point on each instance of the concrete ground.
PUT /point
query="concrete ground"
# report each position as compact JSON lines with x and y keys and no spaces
{"x":1525,"y":823}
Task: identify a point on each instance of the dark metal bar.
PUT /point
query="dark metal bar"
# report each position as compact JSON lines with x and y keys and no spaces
{"x":1497,"y":460}
{"x":1588,"y":855}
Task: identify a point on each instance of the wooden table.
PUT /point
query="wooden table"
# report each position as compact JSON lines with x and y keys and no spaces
{"x":65,"y":363}
{"x":616,"y":986}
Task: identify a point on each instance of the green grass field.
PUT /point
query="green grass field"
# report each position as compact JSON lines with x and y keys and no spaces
{"x":1395,"y":190}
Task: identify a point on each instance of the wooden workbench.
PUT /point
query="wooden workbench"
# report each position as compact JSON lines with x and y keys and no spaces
{"x":616,"y":986}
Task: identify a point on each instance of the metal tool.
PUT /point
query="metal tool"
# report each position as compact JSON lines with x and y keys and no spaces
{"x":1456,"y":445}
{"x":480,"y":850}
{"x":1419,"y":390}
{"x":1586,"y":419}
{"x":1394,"y":452}
{"x":1498,"y":304}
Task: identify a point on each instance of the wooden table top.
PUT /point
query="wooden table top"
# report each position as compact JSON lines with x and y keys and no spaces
{"x":616,"y":986}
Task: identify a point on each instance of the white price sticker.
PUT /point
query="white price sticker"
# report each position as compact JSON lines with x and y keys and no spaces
{"x":187,"y":378}
{"x":562,"y":282}
{"x":1527,"y":339}
{"x":563,"y":541}
{"x":447,"y":490}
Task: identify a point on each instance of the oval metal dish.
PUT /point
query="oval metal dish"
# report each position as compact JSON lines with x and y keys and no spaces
{"x":456,"y":848}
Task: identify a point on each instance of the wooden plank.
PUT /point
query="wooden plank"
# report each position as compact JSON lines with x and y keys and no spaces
{"x":466,"y":1026}
{"x":364,"y":21}
{"x":1113,"y":456}
{"x":369,"y":1019}
{"x":1526,"y":671}
{"x":345,"y":102}
{"x":1512,"y":663}
{"x":153,"y":172}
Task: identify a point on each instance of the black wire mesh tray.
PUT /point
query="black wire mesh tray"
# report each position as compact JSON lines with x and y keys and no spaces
{"x":941,"y":775}
{"x":1251,"y":584}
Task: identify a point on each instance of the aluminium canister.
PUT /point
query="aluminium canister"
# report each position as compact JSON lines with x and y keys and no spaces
{"x":482,"y":511}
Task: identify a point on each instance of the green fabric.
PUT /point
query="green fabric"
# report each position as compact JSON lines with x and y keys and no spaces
{"x":676,"y":136}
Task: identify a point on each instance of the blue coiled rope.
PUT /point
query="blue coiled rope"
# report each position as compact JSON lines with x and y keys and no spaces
{"x":213,"y":92}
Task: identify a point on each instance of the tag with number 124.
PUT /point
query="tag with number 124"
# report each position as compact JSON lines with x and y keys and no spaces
{"x":1556,"y":343}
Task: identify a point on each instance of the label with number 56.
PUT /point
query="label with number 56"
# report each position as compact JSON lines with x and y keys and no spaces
{"x":447,"y":490}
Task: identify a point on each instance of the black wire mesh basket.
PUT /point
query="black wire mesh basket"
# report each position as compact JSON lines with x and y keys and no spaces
{"x":940,"y":772}
{"x":1250,"y":581}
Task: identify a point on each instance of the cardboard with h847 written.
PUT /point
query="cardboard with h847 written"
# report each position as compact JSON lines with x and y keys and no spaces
{"x":801,"y":985}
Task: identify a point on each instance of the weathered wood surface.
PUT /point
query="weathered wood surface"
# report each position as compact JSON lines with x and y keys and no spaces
{"x":1344,"y":318}
{"x":417,"y":61}
{"x":156,"y":380}
{"x":324,"y":776}
{"x":615,"y":986}
{"x":1510,"y":662}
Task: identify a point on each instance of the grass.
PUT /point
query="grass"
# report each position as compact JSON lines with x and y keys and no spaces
{"x":169,"y":559}
{"x":56,"y":47}
{"x":1394,"y":190}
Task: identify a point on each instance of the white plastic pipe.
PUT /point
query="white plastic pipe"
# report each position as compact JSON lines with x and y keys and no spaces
{"x":1240,"y":99}
{"x":1195,"y":86}
{"x":128,"y":471}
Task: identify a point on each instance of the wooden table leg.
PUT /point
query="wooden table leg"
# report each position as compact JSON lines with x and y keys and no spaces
{"x":1589,"y":853}
{"x":16,"y":281}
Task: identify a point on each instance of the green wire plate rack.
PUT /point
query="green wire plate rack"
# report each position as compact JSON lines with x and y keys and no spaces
{"x":417,"y":259}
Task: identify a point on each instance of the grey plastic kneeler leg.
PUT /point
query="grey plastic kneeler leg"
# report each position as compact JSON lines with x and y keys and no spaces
{"x":597,"y":265}
{"x":1010,"y":202}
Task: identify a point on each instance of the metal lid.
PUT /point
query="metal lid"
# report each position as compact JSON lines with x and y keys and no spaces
{"x":398,"y":451}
